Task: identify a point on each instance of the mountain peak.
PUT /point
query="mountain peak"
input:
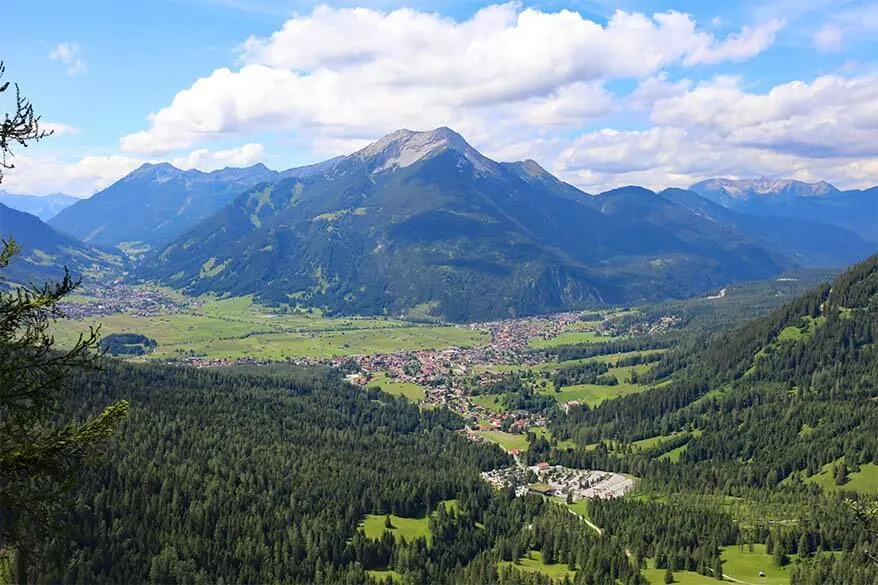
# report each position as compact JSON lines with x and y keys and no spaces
{"x":405,"y":147}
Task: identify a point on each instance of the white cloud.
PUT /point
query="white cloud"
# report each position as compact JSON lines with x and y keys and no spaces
{"x":341,"y":74}
{"x":206,"y":160}
{"x":823,"y":130}
{"x":828,"y":38}
{"x":750,"y":42}
{"x":58,"y":129}
{"x":69,"y":54}
{"x":833,"y":116}
{"x":44,"y":175}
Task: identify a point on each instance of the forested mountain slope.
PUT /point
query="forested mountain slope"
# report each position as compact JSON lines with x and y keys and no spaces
{"x":422,"y":218}
{"x":258,"y":475}
{"x":760,"y":413}
{"x":45,"y":251}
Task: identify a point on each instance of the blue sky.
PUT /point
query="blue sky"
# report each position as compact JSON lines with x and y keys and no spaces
{"x":601,"y":93}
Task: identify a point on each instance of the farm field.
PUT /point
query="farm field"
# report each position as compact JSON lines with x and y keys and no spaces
{"x":533,"y":563}
{"x":408,"y":528}
{"x":408,"y":389}
{"x":238,"y":328}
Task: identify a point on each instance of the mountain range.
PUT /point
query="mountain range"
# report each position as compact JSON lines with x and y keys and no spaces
{"x":422,"y":220}
{"x":855,"y":210}
{"x":157,"y":202}
{"x":43,"y":206}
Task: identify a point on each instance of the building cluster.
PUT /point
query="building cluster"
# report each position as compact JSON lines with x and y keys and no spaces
{"x":121,"y":298}
{"x":580,"y":483}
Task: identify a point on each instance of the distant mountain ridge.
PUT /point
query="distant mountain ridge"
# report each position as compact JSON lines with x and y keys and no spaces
{"x":157,"y":202}
{"x":422,"y":218}
{"x":855,"y":210}
{"x":43,"y":206}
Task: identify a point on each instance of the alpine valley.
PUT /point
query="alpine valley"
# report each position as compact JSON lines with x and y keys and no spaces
{"x":422,"y":221}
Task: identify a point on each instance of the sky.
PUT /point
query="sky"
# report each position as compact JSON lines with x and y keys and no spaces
{"x":603,"y":94}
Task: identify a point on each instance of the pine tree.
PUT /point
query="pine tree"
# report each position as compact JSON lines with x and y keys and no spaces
{"x":669,"y":575}
{"x":38,"y":454}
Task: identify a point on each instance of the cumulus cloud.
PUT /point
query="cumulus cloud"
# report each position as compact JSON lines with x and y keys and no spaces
{"x":808,"y":131}
{"x":69,"y":54}
{"x":831,"y":117}
{"x":206,"y":160}
{"x":345,"y":74}
{"x":89,"y":174}
{"x":42,"y":175}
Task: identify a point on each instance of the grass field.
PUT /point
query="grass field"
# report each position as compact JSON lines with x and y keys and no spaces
{"x":533,"y":563}
{"x":238,"y":328}
{"x":506,"y":440}
{"x":743,"y":566}
{"x":408,"y":389}
{"x":408,"y":528}
{"x":383,"y":576}
{"x":594,"y":394}
{"x":544,"y":432}
{"x":864,"y":481}
{"x":489,"y":402}
{"x":567,"y":338}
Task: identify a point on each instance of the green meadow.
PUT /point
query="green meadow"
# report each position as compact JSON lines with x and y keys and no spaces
{"x":374,"y":527}
{"x":740,"y":565}
{"x":408,"y":389}
{"x":239,"y":328}
{"x":533,"y":563}
{"x":864,"y":481}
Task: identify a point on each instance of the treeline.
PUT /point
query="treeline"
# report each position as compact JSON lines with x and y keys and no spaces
{"x":587,"y":373}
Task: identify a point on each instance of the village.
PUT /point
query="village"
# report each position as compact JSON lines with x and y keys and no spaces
{"x":138,"y":301}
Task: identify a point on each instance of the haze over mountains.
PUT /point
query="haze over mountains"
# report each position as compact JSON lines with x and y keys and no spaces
{"x":423,"y":220}
{"x":43,"y":206}
{"x":855,"y":210}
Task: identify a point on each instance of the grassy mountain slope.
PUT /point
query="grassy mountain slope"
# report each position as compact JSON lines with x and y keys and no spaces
{"x":45,"y":251}
{"x":423,"y":218}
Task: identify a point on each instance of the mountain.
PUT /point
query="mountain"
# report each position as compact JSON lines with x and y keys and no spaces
{"x":856,"y":210}
{"x":726,"y":191}
{"x":424,"y":219}
{"x":810,"y":243}
{"x":157,"y":202}
{"x":45,"y":251}
{"x":43,"y":206}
